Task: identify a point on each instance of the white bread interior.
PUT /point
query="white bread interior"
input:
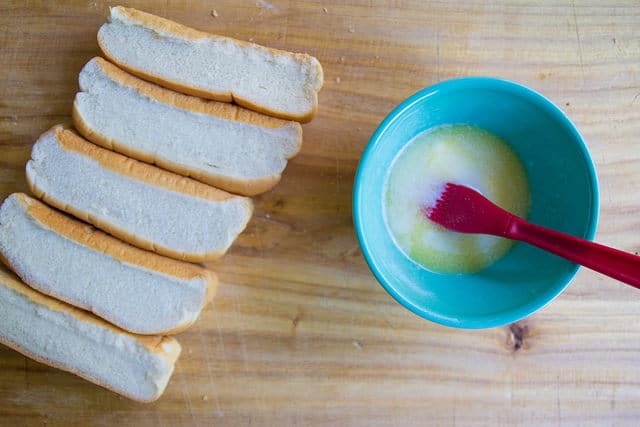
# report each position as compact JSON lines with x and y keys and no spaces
{"x":220,"y":144}
{"x":139,"y":203}
{"x":280,"y":83}
{"x":59,"y":335}
{"x":138,"y":291}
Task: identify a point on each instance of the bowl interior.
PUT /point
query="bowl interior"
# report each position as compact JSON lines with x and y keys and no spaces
{"x":564,"y":196}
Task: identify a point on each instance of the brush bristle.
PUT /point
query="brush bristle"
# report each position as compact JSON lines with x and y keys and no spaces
{"x":441,"y":212}
{"x":464,"y":210}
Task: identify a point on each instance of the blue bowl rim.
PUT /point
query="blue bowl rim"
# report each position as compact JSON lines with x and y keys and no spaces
{"x":457,"y":84}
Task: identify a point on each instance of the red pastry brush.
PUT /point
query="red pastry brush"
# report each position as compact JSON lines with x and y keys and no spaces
{"x":464,"y":210}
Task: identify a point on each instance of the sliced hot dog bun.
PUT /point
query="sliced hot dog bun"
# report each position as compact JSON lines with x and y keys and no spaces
{"x":59,"y":335}
{"x":217,"y":143}
{"x":139,"y":203}
{"x":138,"y":291}
{"x":279,"y":83}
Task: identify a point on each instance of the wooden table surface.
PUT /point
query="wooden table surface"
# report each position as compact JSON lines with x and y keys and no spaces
{"x":300,"y":332}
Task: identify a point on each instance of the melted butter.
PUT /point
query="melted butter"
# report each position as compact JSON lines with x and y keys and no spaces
{"x":465,"y":155}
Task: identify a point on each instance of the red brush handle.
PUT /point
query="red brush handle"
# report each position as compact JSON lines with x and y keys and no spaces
{"x":620,"y":265}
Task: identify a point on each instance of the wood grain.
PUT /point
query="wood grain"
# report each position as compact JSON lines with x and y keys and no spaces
{"x":300,"y":332}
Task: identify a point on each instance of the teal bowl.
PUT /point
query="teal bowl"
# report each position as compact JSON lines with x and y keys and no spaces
{"x":564,"y":197}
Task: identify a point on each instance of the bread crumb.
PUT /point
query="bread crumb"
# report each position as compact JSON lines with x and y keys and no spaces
{"x":251,"y":39}
{"x":214,"y":13}
{"x":266,"y":5}
{"x":205,"y":398}
{"x":325,"y":10}
{"x":338,"y":80}
{"x":352,"y":30}
{"x":342,"y":59}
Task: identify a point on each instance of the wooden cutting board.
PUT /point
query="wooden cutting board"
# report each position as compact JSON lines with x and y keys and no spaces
{"x":300,"y":332}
